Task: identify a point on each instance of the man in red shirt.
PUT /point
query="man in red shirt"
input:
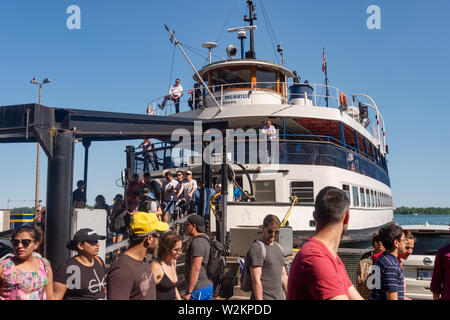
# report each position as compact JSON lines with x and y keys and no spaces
{"x":317,"y":272}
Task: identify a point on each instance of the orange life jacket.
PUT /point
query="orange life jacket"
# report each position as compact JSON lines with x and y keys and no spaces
{"x":343,"y":98}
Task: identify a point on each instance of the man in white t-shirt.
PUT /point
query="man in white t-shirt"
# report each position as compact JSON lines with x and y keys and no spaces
{"x":269,"y":130}
{"x":187,"y":190}
{"x":175,"y":93}
{"x":169,"y":188}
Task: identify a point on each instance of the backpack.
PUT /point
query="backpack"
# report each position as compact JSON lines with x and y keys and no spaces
{"x":246,"y":277}
{"x":216,"y":263}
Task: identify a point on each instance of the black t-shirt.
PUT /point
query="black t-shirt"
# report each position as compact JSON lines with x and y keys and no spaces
{"x":83,"y":283}
{"x":79,"y":195}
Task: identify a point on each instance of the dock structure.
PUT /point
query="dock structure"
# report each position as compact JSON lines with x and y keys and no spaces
{"x":56,"y":130}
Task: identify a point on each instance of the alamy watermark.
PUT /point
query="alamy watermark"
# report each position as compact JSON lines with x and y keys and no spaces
{"x":242,"y":146}
{"x":374,"y":21}
{"x":74,"y":20}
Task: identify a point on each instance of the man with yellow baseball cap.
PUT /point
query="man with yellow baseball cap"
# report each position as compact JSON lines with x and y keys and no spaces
{"x":130,"y":277}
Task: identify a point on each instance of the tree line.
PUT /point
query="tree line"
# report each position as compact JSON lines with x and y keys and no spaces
{"x":429,"y":210}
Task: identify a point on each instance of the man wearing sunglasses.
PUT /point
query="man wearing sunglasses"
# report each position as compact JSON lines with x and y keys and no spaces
{"x":130,"y":277}
{"x":267,"y":265}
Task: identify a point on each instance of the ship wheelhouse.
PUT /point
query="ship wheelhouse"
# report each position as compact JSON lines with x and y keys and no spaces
{"x":243,"y":81}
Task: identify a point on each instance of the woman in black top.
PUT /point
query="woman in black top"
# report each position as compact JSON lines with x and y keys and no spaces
{"x":164,"y":268}
{"x":83,"y":276}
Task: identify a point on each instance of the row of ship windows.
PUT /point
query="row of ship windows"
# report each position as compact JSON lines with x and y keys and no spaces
{"x":363,"y":197}
{"x":304,"y":190}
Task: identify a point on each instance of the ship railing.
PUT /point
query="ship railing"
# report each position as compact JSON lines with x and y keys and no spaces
{"x":293,"y":149}
{"x":319,"y":96}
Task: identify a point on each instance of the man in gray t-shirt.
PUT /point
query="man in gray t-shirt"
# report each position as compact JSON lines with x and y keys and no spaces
{"x":267,"y":266}
{"x":198,"y":285}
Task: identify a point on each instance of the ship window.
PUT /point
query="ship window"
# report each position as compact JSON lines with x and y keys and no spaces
{"x":375,"y":197}
{"x":372,"y":199}
{"x":355,"y":196}
{"x":363,"y":197}
{"x":346,"y":189}
{"x":231,"y":78}
{"x":264,"y":190}
{"x":369,"y":204}
{"x":304,"y":190}
{"x":266,"y":79}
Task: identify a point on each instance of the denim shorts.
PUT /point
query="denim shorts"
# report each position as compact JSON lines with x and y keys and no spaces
{"x":168,"y":206}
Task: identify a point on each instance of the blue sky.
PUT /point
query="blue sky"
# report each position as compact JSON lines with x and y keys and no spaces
{"x":121,"y":59}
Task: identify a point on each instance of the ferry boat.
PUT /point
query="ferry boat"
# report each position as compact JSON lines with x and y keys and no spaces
{"x":324,"y":139}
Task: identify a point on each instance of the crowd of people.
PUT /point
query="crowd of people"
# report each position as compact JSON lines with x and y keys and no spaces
{"x":316,"y":273}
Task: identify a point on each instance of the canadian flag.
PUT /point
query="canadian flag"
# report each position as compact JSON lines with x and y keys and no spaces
{"x":324,"y":64}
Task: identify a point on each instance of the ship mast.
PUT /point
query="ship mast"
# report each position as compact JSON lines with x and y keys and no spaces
{"x":252,"y":17}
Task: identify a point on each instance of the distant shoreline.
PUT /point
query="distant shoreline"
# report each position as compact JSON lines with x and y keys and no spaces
{"x":429,"y":210}
{"x":417,"y":213}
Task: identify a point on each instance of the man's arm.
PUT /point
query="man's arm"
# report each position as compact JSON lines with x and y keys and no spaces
{"x":284,"y":279}
{"x":195,"y":272}
{"x":354,"y":294}
{"x":339,"y":297}
{"x":392,"y":295}
{"x":256,"y":281}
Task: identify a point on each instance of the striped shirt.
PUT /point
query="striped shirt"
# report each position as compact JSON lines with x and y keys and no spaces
{"x":392,"y":279}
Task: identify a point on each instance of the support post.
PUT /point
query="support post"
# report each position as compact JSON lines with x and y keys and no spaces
{"x":59,"y":199}
{"x":86,"y":145}
{"x":356,"y":141}
{"x":341,"y":128}
{"x":223,"y":224}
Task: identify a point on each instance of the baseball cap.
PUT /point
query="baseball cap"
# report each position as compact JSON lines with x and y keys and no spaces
{"x":197,"y":220}
{"x":83,"y":235}
{"x":150,"y":195}
{"x":188,"y":172}
{"x":145,"y":223}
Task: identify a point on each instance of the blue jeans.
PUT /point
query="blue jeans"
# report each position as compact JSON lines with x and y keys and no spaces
{"x":202,"y":294}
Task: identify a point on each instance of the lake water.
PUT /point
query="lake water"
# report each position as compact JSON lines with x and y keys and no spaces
{"x":406,"y":219}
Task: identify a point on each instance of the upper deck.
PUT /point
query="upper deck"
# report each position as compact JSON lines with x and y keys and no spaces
{"x":246,"y":92}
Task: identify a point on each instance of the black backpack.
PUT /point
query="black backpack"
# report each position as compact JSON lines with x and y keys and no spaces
{"x":216,"y":263}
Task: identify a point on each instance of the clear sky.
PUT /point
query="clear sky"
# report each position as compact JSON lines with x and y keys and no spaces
{"x":121,"y":58}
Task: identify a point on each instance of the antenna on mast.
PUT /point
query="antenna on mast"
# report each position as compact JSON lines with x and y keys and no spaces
{"x":252,"y":17}
{"x":242,"y":34}
{"x":209,"y":46}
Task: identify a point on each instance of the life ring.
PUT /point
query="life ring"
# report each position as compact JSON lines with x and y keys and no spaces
{"x":343,"y":98}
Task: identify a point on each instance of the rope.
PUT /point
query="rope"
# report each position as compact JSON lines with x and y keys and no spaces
{"x":269,"y":29}
{"x":171,"y":67}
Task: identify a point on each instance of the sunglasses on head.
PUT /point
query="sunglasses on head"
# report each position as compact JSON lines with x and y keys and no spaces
{"x":25,"y":242}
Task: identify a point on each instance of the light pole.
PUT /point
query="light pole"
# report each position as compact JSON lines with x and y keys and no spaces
{"x":36,"y":203}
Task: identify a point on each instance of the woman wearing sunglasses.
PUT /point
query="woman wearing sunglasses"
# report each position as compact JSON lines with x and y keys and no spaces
{"x":164,"y":268}
{"x":24,"y":276}
{"x":83,"y":276}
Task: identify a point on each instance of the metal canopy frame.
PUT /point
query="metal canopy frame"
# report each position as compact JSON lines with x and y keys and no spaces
{"x":56,"y":130}
{"x":34,"y":122}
